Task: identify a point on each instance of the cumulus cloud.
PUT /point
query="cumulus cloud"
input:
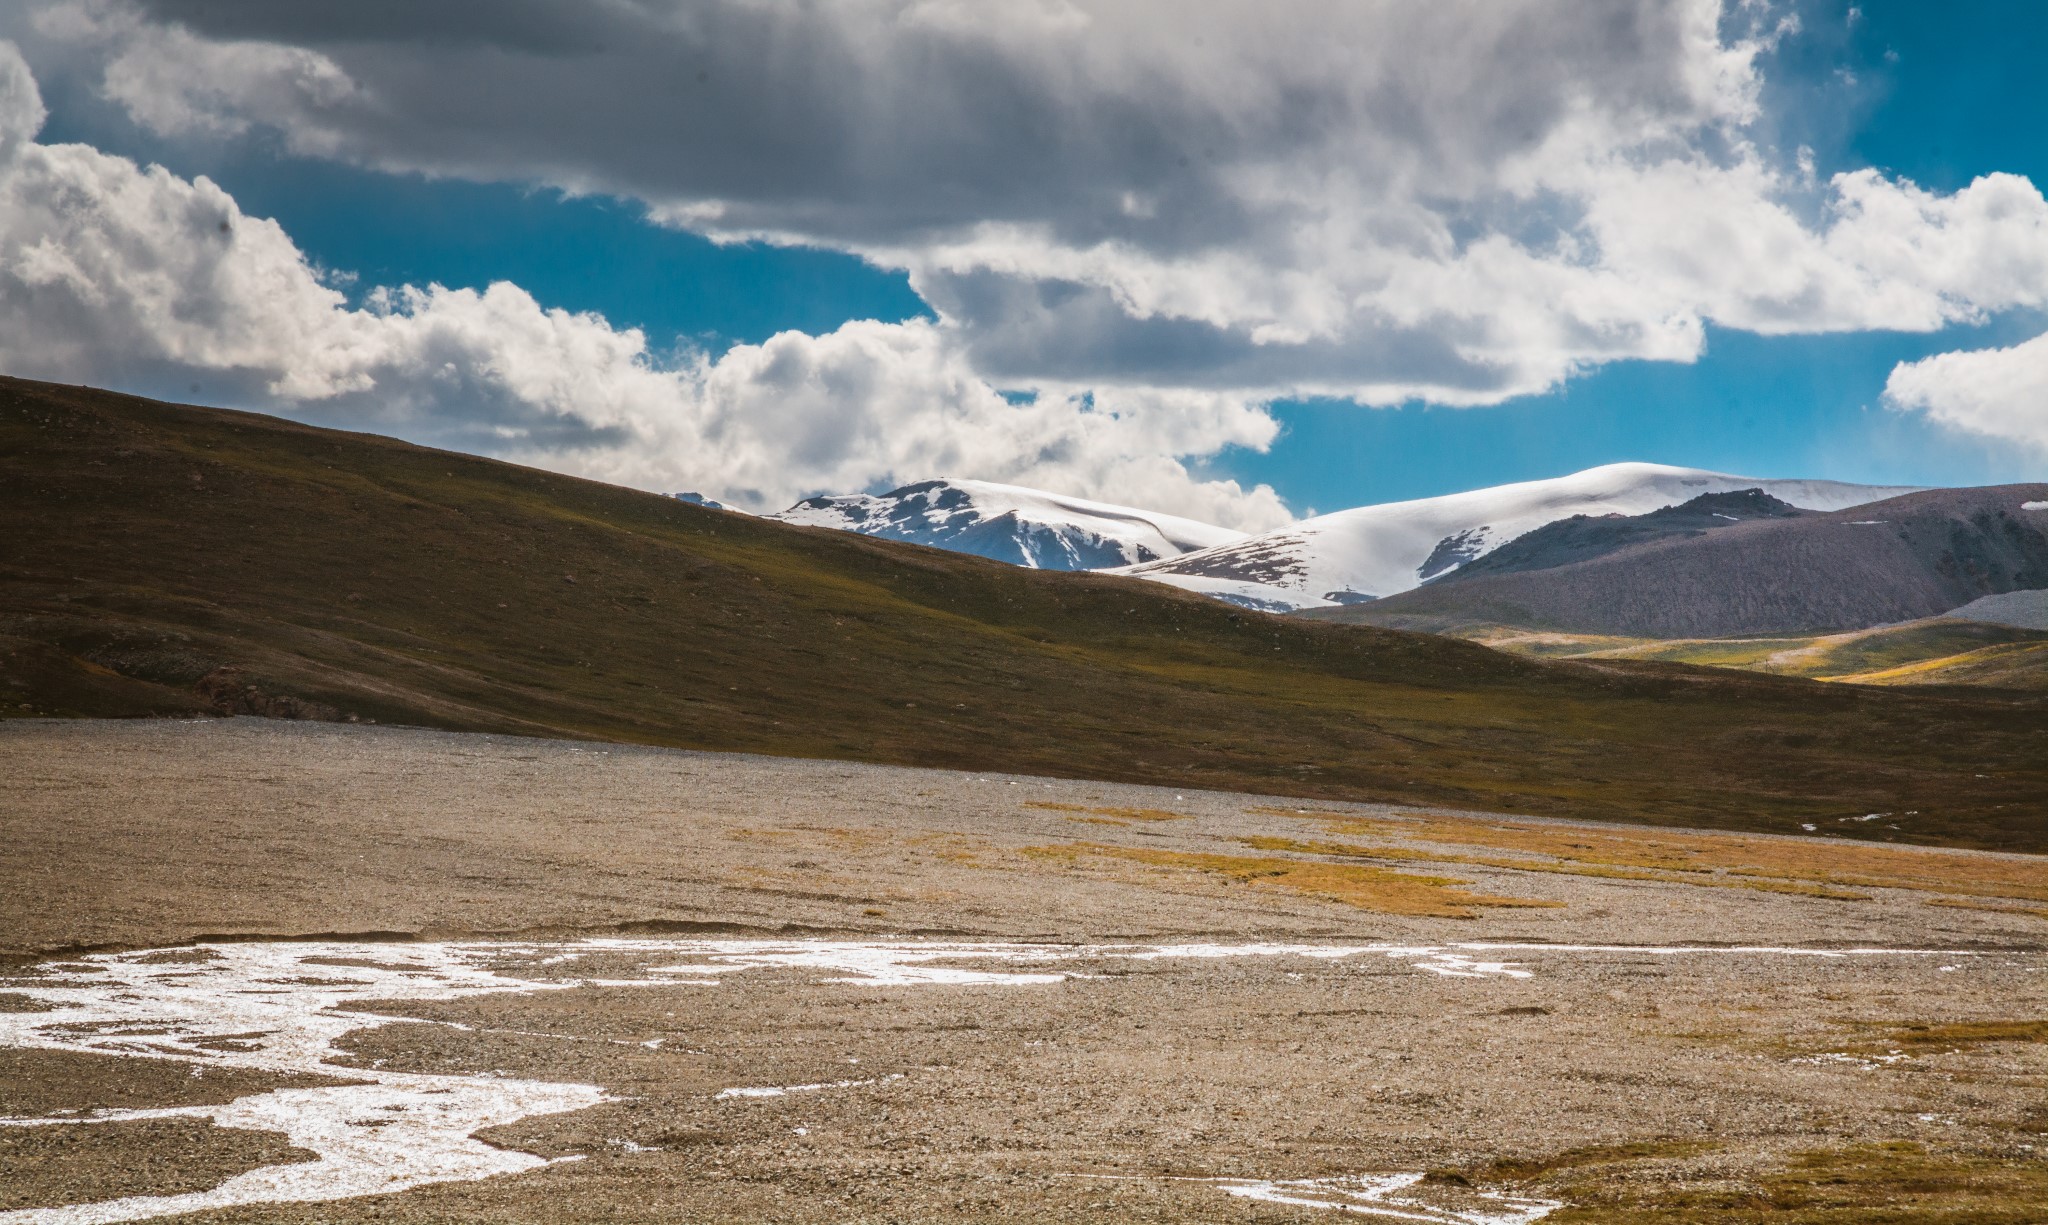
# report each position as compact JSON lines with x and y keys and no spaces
{"x":21,"y":103}
{"x":116,"y":273}
{"x":1993,"y":393}
{"x":1373,"y":199}
{"x":1380,"y":200}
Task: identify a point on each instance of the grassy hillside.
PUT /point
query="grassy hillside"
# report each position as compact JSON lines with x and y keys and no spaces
{"x":1936,"y":651}
{"x":169,"y":560}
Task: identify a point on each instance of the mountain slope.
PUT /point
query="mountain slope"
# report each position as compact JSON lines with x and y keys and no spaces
{"x":1025,"y":527}
{"x":2026,"y":609}
{"x":1902,"y":559}
{"x":1585,"y":537}
{"x":161,"y":559}
{"x":1375,"y":551}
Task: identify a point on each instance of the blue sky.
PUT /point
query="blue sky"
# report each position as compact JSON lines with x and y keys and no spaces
{"x":1932,"y":94}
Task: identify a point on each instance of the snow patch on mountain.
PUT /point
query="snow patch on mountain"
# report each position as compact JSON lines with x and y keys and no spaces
{"x":1025,"y":527}
{"x":697,"y":499}
{"x":1372,"y":551}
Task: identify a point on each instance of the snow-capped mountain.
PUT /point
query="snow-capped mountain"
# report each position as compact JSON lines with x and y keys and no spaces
{"x":1352,"y":556}
{"x":1025,"y":527}
{"x":697,"y":499}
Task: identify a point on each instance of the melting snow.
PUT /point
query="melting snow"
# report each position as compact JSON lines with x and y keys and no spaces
{"x":785,"y":1090}
{"x":1868,"y":1063}
{"x":1400,"y":1196}
{"x":280,"y":1008}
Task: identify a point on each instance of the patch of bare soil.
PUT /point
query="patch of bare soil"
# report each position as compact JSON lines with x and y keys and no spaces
{"x":45,"y":1082}
{"x":80,"y":1163}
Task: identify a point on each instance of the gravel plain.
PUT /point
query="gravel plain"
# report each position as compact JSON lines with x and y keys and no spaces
{"x":1114,"y":1085}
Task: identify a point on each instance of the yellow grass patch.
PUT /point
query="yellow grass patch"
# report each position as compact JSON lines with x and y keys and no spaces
{"x":1119,"y":814}
{"x":1688,"y":876}
{"x":950,"y":848}
{"x":814,"y":836}
{"x":1920,"y":669}
{"x":1368,"y":888}
{"x":1774,"y":864}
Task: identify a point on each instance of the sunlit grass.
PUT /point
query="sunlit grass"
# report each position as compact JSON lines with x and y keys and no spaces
{"x":1367,"y":888}
{"x":1824,"y":868}
{"x":1115,"y":815}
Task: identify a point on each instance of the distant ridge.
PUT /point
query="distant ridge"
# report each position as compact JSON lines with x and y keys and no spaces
{"x":2026,"y":609}
{"x":1901,"y":559}
{"x":1351,"y":556}
{"x":1585,"y":537}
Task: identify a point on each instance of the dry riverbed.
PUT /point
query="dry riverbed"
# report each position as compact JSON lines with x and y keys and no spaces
{"x":265,"y":971}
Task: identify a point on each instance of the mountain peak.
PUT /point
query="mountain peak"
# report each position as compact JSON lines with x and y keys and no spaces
{"x":1011,"y":523}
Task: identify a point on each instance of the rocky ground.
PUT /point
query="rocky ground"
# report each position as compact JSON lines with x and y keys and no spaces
{"x":533,"y":930}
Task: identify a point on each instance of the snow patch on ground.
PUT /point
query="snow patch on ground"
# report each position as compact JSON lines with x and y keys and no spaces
{"x":1401,"y":1196}
{"x":786,"y":1090}
{"x":280,"y":1007}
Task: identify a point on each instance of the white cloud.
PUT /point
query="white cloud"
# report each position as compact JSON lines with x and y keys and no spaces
{"x":21,"y":104}
{"x":1381,"y":200}
{"x":134,"y":276}
{"x":1993,"y":393}
{"x":1375,"y":199}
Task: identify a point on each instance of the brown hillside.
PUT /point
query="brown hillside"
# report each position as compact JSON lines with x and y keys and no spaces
{"x":160,"y":559}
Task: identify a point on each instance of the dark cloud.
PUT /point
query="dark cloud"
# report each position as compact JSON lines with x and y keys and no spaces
{"x":1458,"y":201}
{"x":874,"y":124}
{"x":540,"y":26}
{"x":1021,"y":331}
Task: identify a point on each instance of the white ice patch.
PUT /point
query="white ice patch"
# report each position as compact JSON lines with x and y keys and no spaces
{"x":1399,"y":1196}
{"x":786,"y":1090}
{"x":275,"y":1008}
{"x":281,"y":1007}
{"x":1868,"y":1063}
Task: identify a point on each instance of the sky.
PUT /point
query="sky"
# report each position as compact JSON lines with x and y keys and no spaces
{"x":1242,"y":265}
